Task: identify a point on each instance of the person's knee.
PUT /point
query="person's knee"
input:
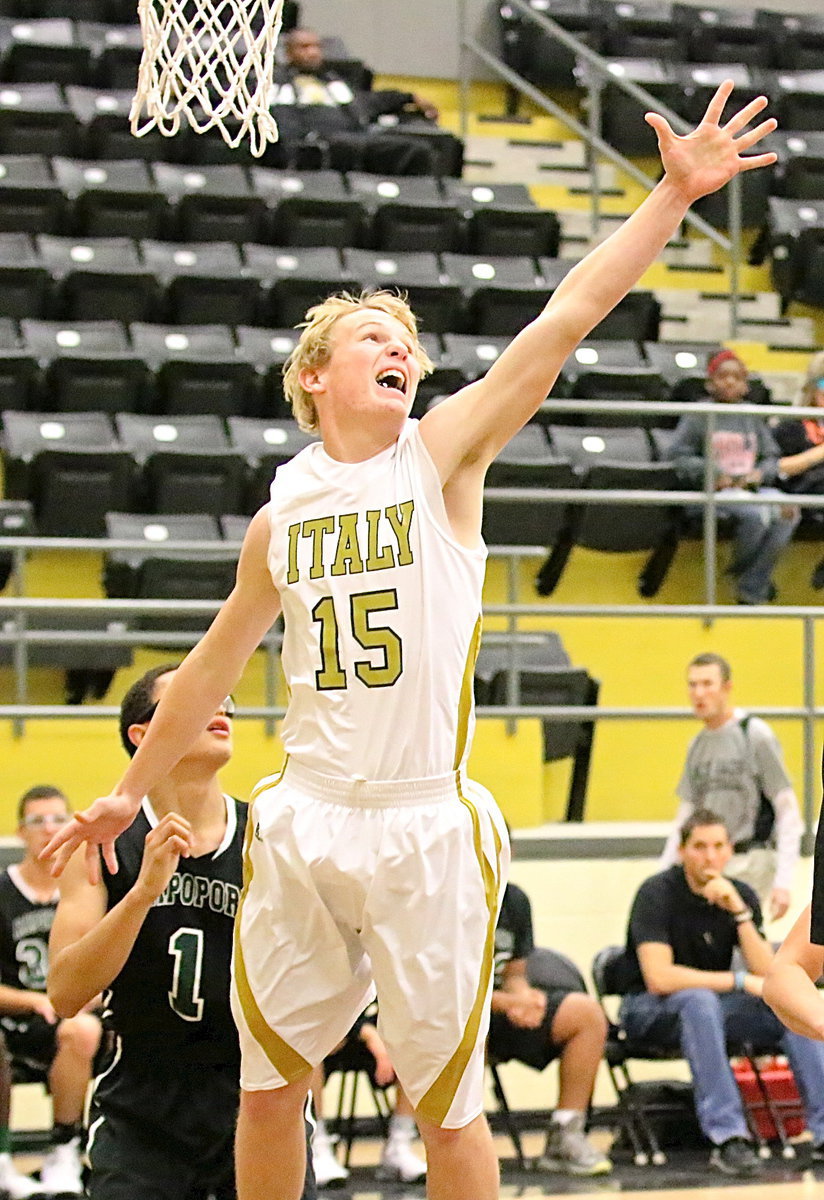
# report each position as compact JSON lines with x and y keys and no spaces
{"x":437,"y":1139}
{"x":79,"y":1035}
{"x":275,"y":1104}
{"x":697,"y":1004}
{"x":579,"y":1013}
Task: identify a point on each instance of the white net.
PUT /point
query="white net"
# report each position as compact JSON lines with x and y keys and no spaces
{"x":212,"y":62}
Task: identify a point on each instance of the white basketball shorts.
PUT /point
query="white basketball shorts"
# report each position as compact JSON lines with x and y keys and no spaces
{"x":354,"y":886}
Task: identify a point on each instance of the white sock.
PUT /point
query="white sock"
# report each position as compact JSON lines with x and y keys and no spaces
{"x":564,"y":1116}
{"x":321,"y":1134}
{"x":402,"y":1128}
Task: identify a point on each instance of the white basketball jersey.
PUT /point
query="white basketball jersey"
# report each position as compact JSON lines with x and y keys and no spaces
{"x":382,"y":611}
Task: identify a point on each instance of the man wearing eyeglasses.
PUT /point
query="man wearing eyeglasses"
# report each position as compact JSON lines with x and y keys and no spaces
{"x":156,"y":938}
{"x":64,"y":1049}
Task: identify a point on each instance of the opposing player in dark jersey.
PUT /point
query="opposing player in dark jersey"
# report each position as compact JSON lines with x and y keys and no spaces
{"x":63,"y":1049}
{"x":156,"y":939}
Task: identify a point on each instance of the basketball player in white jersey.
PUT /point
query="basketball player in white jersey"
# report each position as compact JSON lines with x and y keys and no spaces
{"x":371,"y":858}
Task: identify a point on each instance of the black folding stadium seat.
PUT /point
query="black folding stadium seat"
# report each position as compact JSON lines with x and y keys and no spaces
{"x":87,"y":365}
{"x":374,"y":190}
{"x":645,"y":29}
{"x":196,"y":369}
{"x":76,"y":10}
{"x":622,"y":116}
{"x":502,"y":293}
{"x":292,"y":278}
{"x":16,"y":520}
{"x":503,"y":219}
{"x":103,"y":118}
{"x":785,"y":221}
{"x":265,"y":444}
{"x":19,"y":371}
{"x":116,"y":48}
{"x":158,"y":574}
{"x":527,"y":461}
{"x":212,"y":203}
{"x":186,"y":462}
{"x":314,"y":208}
{"x":726,"y":35}
{"x":437,"y":305}
{"x":24,"y":280}
{"x":71,"y":468}
{"x":201,"y":279}
{"x":616,"y":459}
{"x":112,"y":198}
{"x":799,"y":172}
{"x":683,"y":367}
{"x":30,"y":200}
{"x":636,"y":317}
{"x":98,"y":278}
{"x":267,"y":350}
{"x":35,"y":119}
{"x":537,"y":56}
{"x":799,"y":38}
{"x":437,"y":226}
{"x":471,"y":355}
{"x":43,"y":51}
{"x":799,"y":99}
{"x":700,"y":81}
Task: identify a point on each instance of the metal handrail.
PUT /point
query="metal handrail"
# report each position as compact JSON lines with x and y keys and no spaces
{"x":599,"y":73}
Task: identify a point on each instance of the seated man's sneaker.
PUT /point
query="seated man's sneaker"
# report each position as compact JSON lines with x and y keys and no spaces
{"x":400,"y":1162}
{"x":568,"y":1149}
{"x":62,"y":1171}
{"x":328,"y":1171}
{"x":736,"y":1156}
{"x":13,"y":1184}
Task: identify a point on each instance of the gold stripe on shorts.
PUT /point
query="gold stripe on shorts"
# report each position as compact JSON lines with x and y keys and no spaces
{"x":286,"y":1061}
{"x":437,"y":1101}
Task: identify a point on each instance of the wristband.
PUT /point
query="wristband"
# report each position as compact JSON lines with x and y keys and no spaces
{"x":739,"y":978}
{"x":742,"y":917}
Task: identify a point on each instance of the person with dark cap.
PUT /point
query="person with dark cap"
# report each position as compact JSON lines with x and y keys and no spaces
{"x":745,"y":459}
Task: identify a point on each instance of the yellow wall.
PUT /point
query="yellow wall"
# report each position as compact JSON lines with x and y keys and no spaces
{"x":640,"y":662}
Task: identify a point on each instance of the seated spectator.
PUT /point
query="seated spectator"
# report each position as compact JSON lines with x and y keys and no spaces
{"x":63,"y":1049}
{"x":364,"y":1047}
{"x":313,"y":106}
{"x":682,"y":990}
{"x":801,"y":442}
{"x":536,"y":1025}
{"x":745,"y":459}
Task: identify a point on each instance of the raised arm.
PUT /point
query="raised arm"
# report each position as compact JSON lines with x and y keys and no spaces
{"x":204,"y":678}
{"x":473,"y":425}
{"x":88,"y":946}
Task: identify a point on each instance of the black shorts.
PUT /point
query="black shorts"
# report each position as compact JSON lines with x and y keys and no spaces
{"x":31,"y":1040}
{"x":534,"y":1047}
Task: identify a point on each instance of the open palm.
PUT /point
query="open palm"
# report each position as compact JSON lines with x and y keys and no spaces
{"x":705,"y":159}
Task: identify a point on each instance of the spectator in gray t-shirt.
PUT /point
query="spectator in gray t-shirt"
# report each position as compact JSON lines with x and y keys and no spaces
{"x":731,"y":764}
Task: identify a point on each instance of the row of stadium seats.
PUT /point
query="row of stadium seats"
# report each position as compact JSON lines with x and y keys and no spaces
{"x":132,"y":198}
{"x":188,"y":283}
{"x":74,"y":468}
{"x":168,"y":370}
{"x":678,"y":33}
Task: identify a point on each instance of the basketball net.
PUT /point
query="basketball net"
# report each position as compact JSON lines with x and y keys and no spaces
{"x":212,"y":62}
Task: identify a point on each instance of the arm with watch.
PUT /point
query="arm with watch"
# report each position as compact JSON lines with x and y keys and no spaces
{"x":755,"y":949}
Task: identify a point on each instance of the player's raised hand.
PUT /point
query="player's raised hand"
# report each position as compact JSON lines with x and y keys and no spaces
{"x":98,"y":825}
{"x":702,"y":161}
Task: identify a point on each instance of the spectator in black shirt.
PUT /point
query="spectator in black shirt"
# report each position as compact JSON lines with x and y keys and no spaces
{"x":683,"y":991}
{"x":801,"y":442}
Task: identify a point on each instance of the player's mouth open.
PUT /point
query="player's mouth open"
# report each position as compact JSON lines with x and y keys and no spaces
{"x":220,"y":725}
{"x":392,"y":379}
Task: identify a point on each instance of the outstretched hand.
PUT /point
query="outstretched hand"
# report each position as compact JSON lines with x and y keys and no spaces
{"x":701,"y":162}
{"x":98,"y":825}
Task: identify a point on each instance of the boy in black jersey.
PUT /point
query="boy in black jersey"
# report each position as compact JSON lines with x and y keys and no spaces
{"x":64,"y":1050}
{"x":156,"y":938}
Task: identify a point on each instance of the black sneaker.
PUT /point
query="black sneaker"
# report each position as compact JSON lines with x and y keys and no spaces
{"x":736,"y":1156}
{"x":817,"y":1153}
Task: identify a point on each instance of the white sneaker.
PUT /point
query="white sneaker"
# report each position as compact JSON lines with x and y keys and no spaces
{"x":328,"y":1171}
{"x":62,"y":1171}
{"x":15,"y":1185}
{"x":399,"y":1162}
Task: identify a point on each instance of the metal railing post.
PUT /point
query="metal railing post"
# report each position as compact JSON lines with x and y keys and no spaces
{"x":810,"y":773}
{"x":734,"y":209}
{"x":710,"y":515}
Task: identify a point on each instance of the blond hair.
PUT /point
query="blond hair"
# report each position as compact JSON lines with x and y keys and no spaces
{"x":315,"y":343}
{"x":815,"y":371}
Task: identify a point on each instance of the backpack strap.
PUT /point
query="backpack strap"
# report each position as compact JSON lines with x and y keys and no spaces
{"x":765,"y":817}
